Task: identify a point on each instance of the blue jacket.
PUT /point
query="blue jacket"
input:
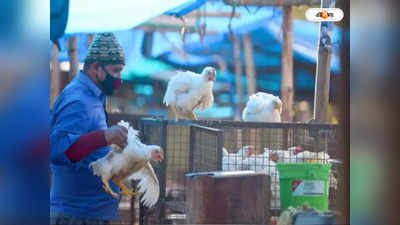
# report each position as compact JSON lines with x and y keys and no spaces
{"x":75,"y":191}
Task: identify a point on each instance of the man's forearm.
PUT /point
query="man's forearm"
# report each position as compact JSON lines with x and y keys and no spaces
{"x":85,"y":145}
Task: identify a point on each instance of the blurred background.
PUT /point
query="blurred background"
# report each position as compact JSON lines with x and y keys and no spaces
{"x":371,"y":95}
{"x":256,"y":46}
{"x":244,"y":44}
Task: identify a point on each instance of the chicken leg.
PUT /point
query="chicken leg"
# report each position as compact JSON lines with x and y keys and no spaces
{"x":193,"y":115}
{"x":125,"y":190}
{"x":172,"y":113}
{"x":107,"y":188}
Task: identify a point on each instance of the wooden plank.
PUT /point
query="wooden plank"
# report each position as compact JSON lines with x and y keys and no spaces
{"x":238,"y":74}
{"x":73,"y":57}
{"x":323,"y":70}
{"x":271,"y":2}
{"x":287,"y":90}
{"x":55,"y":79}
{"x":155,"y":28}
{"x":227,"y":199}
{"x":250,"y":67}
{"x":170,"y":21}
{"x":212,"y":14}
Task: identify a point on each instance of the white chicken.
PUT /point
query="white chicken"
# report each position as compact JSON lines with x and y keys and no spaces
{"x":234,"y":161}
{"x":188,"y":91}
{"x":263,"y":163}
{"x":257,"y":162}
{"x":286,"y":156}
{"x":313,"y":157}
{"x":263,"y":107}
{"x":133,"y":162}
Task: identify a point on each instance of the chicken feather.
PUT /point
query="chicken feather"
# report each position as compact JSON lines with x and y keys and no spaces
{"x":133,"y":162}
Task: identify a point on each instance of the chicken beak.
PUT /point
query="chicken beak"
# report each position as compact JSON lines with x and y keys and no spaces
{"x":157,"y":155}
{"x":161,"y":155}
{"x":213,"y":76}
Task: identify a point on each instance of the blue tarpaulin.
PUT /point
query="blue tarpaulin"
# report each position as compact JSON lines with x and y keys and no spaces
{"x":94,"y":16}
{"x":263,"y":25}
{"x":265,"y":30}
{"x":58,"y":18}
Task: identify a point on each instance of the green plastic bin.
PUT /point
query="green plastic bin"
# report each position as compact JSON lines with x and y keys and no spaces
{"x":304,"y":182}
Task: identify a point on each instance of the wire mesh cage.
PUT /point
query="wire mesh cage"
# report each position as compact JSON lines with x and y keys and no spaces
{"x":186,"y":149}
{"x":205,"y":149}
{"x":154,"y":132}
{"x":260,"y":146}
{"x":197,"y":146}
{"x":129,"y":208}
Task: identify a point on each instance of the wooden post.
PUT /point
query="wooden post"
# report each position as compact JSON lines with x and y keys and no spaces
{"x":287,"y":90}
{"x":238,"y":75}
{"x":322,"y":80}
{"x":55,"y":79}
{"x":343,"y":132}
{"x":90,"y":39}
{"x":254,"y":137}
{"x":147,"y":44}
{"x":323,"y":71}
{"x":108,"y":104}
{"x":250,"y":67}
{"x":226,"y":199}
{"x":73,"y":57}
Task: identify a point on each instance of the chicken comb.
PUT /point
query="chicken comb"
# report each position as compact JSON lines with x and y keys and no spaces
{"x":300,"y":148}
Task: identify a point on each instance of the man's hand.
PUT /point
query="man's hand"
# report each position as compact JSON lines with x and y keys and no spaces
{"x":116,"y":135}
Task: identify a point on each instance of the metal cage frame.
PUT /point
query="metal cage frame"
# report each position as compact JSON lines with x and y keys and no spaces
{"x":226,"y":126}
{"x":197,"y":129}
{"x":221,"y":128}
{"x":158,"y":214}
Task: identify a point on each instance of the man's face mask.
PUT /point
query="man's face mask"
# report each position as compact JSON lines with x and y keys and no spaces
{"x":110,"y":83}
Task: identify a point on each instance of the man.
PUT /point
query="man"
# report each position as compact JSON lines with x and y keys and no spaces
{"x":79,"y":135}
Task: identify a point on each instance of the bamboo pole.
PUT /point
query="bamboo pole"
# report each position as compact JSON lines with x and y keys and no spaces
{"x":254,"y":136}
{"x":73,"y":57}
{"x":250,"y":67}
{"x":287,"y":90}
{"x":239,"y":88}
{"x":238,"y":74}
{"x":213,"y":14}
{"x":55,"y":79}
{"x":323,"y":70}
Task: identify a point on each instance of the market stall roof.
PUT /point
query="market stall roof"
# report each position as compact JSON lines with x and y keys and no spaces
{"x":94,"y":16}
{"x":264,"y":26}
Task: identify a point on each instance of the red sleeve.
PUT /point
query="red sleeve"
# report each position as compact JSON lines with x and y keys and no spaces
{"x":85,"y":145}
